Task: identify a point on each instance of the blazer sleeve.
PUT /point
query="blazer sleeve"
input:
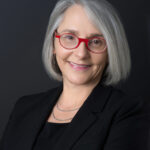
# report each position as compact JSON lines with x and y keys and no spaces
{"x":6,"y":130}
{"x":131,"y":127}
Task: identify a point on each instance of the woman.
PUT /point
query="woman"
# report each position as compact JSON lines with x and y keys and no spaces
{"x":85,"y":48}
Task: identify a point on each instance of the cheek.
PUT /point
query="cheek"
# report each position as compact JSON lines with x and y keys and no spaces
{"x":63,"y":56}
{"x":101,"y":64}
{"x":100,"y":60}
{"x":60,"y":52}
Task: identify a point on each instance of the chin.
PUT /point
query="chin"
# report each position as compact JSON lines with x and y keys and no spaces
{"x":80,"y":80}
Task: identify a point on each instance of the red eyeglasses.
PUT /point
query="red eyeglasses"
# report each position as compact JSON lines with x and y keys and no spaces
{"x":70,"y":41}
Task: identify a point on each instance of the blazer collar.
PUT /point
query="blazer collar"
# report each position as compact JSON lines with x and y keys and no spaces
{"x":84,"y":118}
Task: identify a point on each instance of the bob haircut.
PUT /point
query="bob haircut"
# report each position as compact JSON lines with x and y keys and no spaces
{"x":104,"y":16}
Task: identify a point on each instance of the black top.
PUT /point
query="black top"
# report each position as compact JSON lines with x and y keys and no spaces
{"x":49,"y":135}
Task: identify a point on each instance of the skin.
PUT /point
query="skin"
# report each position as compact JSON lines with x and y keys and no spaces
{"x":77,"y":82}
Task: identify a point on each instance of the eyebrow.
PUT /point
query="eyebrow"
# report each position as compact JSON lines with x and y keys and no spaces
{"x":77,"y":33}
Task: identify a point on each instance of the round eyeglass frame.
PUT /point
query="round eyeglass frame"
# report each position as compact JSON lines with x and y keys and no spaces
{"x":81,"y":40}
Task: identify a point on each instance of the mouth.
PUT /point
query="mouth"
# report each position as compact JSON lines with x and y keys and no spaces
{"x":79,"y":66}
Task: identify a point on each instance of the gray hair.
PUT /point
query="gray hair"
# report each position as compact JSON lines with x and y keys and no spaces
{"x":106,"y":19}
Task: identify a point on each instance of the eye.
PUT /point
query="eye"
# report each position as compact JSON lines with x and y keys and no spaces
{"x":96,"y":42}
{"x":68,"y":37}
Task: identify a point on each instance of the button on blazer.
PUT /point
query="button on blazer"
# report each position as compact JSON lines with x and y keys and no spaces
{"x":107,"y":120}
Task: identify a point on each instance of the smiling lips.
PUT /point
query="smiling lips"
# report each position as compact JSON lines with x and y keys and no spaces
{"x":79,"y":66}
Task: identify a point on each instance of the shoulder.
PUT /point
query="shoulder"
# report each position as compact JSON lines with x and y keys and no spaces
{"x":123,"y":105}
{"x":126,"y":100}
{"x":112,"y":100}
{"x":119,"y":96}
{"x":36,"y":97}
{"x":28,"y":102}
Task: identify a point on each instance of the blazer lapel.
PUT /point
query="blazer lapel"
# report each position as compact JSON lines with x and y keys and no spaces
{"x":85,"y":117}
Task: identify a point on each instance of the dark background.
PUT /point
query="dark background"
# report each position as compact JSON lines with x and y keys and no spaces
{"x":22,"y":29}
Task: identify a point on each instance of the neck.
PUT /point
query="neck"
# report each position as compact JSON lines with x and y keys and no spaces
{"x":73,"y":96}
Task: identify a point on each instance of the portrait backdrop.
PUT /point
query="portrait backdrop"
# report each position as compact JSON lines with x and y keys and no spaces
{"x":22,"y":30}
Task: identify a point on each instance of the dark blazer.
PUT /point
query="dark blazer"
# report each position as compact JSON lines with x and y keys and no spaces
{"x":108,"y":120}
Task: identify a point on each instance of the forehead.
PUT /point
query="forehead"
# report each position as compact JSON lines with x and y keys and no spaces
{"x":76,"y":18}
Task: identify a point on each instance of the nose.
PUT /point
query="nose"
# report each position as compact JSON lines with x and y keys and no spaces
{"x":81,"y":51}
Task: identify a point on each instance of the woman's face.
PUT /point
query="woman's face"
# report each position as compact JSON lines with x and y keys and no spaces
{"x":71,"y":62}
